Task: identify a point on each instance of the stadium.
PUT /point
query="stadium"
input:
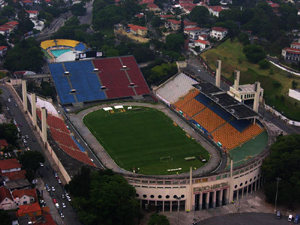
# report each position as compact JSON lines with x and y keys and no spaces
{"x":146,"y":143}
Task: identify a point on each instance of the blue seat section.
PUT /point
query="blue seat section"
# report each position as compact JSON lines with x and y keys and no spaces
{"x":80,"y":47}
{"x":203,"y":99}
{"x":85,"y":82}
{"x":61,"y":83}
{"x":77,"y":143}
{"x":220,"y":112}
{"x":240,"y":125}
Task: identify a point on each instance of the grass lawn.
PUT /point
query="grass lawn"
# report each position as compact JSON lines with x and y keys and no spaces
{"x":232,"y":57}
{"x":140,"y":138}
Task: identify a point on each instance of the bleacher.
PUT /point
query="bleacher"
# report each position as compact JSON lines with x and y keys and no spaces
{"x":61,"y":83}
{"x":80,"y":47}
{"x":135,"y":75}
{"x":66,"y":42}
{"x":240,"y":125}
{"x":183,"y":100}
{"x":203,"y":99}
{"x":57,"y":123}
{"x":230,"y":137}
{"x":176,"y":87}
{"x":192,"y":107}
{"x":209,"y":120}
{"x":78,"y":144}
{"x":113,"y":78}
{"x":85,"y":82}
{"x":80,"y":156}
{"x":47,"y":44}
{"x":63,"y":138}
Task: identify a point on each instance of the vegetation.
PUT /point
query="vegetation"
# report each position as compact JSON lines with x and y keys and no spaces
{"x":102,"y":197}
{"x":283,"y":162}
{"x":9,"y":132}
{"x":27,"y":55}
{"x":128,"y":140}
{"x":275,"y":82}
{"x":158,"y":219}
{"x":31,"y":160}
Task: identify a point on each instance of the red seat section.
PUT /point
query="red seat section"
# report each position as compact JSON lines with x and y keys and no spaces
{"x":63,"y":138}
{"x":57,"y":123}
{"x":80,"y":156}
{"x":114,"y":78}
{"x":135,"y":75}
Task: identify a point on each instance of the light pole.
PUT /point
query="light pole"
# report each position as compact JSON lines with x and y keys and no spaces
{"x":278,"y":179}
{"x":178,"y":198}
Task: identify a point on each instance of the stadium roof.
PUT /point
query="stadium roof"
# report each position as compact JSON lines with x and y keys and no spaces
{"x":237,"y":109}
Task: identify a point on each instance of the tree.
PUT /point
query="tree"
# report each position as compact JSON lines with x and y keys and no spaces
{"x":283,"y":162}
{"x":31,"y":160}
{"x":25,"y":23}
{"x":73,"y":21}
{"x":200,"y":15}
{"x":4,"y":218}
{"x":174,"y":42}
{"x":143,"y":54}
{"x":9,"y":132}
{"x":243,"y":38}
{"x":109,"y":199}
{"x":78,"y":9}
{"x":264,"y":64}
{"x":294,"y":84}
{"x":254,"y":53}
{"x":158,"y":219}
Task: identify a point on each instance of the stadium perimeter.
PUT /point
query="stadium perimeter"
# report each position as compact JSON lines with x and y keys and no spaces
{"x":187,"y":192}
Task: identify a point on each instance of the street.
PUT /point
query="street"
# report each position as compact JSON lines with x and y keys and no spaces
{"x":48,"y":175}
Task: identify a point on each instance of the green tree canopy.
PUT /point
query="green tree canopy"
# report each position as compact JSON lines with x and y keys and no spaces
{"x":109,"y":199}
{"x":254,"y":53}
{"x":175,"y":42}
{"x":8,"y":131}
{"x":200,"y":15}
{"x":26,"y":55}
{"x":283,"y":162}
{"x":158,"y":219}
{"x":31,"y":160}
{"x":78,"y":9}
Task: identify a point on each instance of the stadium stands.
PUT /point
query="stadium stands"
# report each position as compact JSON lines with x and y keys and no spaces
{"x":63,"y":138}
{"x":57,"y":123}
{"x":183,"y":100}
{"x":66,"y":42}
{"x":230,"y":138}
{"x":203,"y":99}
{"x":80,"y":156}
{"x":77,"y":143}
{"x":114,"y":78}
{"x":192,"y":107}
{"x":135,"y":75}
{"x":80,"y":47}
{"x":175,"y":88}
{"x":61,"y":83}
{"x":47,"y":44}
{"x":209,"y":120}
{"x":85,"y":82}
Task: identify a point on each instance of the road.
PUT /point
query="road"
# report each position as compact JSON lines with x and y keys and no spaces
{"x":48,"y":176}
{"x":245,"y":219}
{"x":87,"y":18}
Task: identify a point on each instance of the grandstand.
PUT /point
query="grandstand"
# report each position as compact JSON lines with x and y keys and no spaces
{"x":98,"y":79}
{"x":219,"y":116}
{"x":65,"y":139}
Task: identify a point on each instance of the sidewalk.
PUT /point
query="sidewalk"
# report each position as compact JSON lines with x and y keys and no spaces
{"x":251,"y":203}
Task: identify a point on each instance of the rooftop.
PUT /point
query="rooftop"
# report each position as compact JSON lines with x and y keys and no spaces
{"x":9,"y":164}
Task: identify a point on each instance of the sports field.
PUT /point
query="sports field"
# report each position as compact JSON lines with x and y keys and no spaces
{"x":145,"y":138}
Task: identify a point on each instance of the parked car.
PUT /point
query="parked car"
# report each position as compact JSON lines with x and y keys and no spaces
{"x":41,"y":164}
{"x":53,"y":189}
{"x":63,"y":196}
{"x":54,"y":201}
{"x":57,"y":205}
{"x":64,"y":205}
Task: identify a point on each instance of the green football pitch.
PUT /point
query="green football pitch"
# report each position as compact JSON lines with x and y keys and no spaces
{"x":145,"y":139}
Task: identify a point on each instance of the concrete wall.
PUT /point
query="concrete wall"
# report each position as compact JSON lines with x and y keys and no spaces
{"x":294,"y":94}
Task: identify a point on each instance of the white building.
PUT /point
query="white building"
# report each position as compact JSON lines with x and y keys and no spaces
{"x":218,"y":32}
{"x":202,"y":44}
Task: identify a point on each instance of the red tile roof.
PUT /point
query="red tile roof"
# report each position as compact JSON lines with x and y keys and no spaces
{"x":13,"y":22}
{"x":32,"y":11}
{"x":16,"y":175}
{"x":292,"y":50}
{"x":136,"y":27}
{"x":216,"y":8}
{"x":3,"y":142}
{"x":140,"y":15}
{"x":28,"y":192}
{"x":26,"y":209}
{"x":9,"y":164}
{"x":186,"y":23}
{"x":27,"y":1}
{"x":188,"y":6}
{"x":49,"y":220}
{"x":295,"y":43}
{"x":152,"y":6}
{"x":274,"y":5}
{"x":2,"y":48}
{"x":166,"y":16}
{"x":220,"y":29}
{"x":192,"y":28}
{"x":4,"y":193}
{"x":203,"y":42}
{"x":4,"y":28}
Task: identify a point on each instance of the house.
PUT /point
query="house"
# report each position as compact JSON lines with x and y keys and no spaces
{"x":187,"y":7}
{"x":154,"y":8}
{"x":138,"y":30}
{"x":203,"y":37}
{"x":215,"y":10}
{"x":175,"y":24}
{"x":27,"y":2}
{"x":292,"y":53}
{"x":17,"y":175}
{"x":164,"y":17}
{"x":8,"y":27}
{"x":218,"y":32}
{"x":195,"y":32}
{"x":17,"y":184}
{"x":202,"y":44}
{"x":274,"y":6}
{"x":24,"y":197}
{"x":33,"y":14}
{"x":146,"y":2}
{"x":4,"y":31}
{"x":6,"y":200}
{"x":140,"y":15}
{"x":9,"y":165}
{"x":3,"y":142}
{"x":29,"y":210}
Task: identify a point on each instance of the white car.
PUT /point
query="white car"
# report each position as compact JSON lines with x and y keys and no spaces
{"x":64,"y":205}
{"x":69,"y":199}
{"x":53,"y":189}
{"x":290,"y":218}
{"x":41,"y":164}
